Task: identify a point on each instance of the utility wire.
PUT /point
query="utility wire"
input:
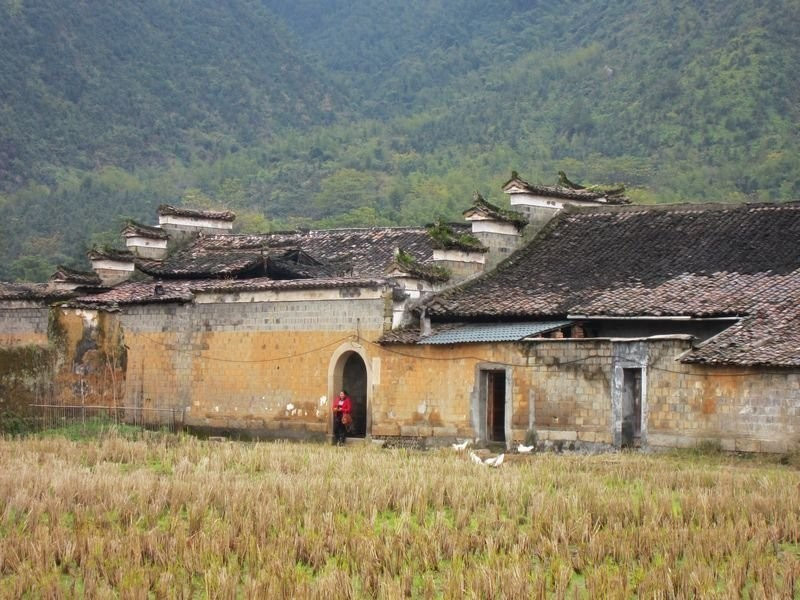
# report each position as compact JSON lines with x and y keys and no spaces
{"x":201,"y":356}
{"x":357,"y":337}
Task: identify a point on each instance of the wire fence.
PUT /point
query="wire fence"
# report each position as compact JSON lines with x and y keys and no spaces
{"x":55,"y":416}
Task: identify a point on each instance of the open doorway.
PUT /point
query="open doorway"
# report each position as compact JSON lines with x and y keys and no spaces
{"x":496,"y":406}
{"x":631,"y":407}
{"x":350,"y":374}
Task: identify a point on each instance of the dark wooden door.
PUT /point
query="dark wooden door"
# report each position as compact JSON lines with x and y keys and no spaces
{"x":496,"y":406}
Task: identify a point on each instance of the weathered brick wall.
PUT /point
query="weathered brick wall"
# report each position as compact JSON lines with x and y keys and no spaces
{"x":264,"y":367}
{"x":568,"y":394}
{"x":570,"y":382}
{"x":239,"y":365}
{"x":560,"y":388}
{"x":500,"y":246}
{"x":747,"y":409}
{"x":26,"y":376}
{"x":27,"y":362}
{"x":23,"y":322}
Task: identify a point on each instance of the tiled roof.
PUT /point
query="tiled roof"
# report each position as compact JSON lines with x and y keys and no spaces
{"x":185,"y":291}
{"x":691,"y":260}
{"x":411,"y":334}
{"x":111,"y":254}
{"x":482,"y":207}
{"x":193,"y":265}
{"x":67,"y":275}
{"x":32,"y":291}
{"x":589,"y":194}
{"x":134,"y":229}
{"x":431,"y":273}
{"x":217,"y":215}
{"x":360,"y":252}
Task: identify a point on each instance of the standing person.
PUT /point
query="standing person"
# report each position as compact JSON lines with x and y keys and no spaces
{"x":341,"y":407}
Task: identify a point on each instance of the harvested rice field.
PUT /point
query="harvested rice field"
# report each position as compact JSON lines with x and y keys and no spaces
{"x":177,"y":517}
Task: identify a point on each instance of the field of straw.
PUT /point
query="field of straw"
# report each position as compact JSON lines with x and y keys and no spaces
{"x":182,"y":518}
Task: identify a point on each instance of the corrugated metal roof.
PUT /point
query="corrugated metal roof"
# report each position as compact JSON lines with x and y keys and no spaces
{"x":492,"y":332}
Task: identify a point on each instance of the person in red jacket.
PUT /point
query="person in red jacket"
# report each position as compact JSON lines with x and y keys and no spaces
{"x":341,"y":406}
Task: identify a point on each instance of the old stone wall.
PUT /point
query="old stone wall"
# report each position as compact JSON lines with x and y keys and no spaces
{"x":744,"y":409}
{"x":569,"y":391}
{"x":257,"y":367}
{"x":270,"y":367}
{"x":500,"y":245}
{"x":23,"y":322}
{"x":560,"y":388}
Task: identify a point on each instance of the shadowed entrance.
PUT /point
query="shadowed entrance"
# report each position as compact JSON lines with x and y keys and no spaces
{"x":351,"y":375}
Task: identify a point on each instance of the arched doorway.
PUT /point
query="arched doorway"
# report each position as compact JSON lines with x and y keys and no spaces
{"x":354,"y":381}
{"x":350,"y":373}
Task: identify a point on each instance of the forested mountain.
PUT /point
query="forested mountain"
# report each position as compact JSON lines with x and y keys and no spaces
{"x":345,"y":112}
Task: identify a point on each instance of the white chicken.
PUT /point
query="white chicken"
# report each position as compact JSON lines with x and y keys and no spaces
{"x":496,"y":461}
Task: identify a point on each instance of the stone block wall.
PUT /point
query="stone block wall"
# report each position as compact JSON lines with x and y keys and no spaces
{"x":565,"y":390}
{"x":560,"y":388}
{"x":23,"y":322}
{"x":570,"y":385}
{"x":268,"y":368}
{"x":259,"y":367}
{"x":742,"y":408}
{"x":500,"y":246}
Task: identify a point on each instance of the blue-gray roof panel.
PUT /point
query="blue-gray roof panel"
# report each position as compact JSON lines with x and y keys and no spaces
{"x":493,"y":332}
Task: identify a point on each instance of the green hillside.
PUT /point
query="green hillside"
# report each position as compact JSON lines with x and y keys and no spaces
{"x":334,"y":112}
{"x":86,"y":84}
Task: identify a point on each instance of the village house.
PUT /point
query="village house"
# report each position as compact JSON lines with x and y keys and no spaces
{"x":575,"y":317}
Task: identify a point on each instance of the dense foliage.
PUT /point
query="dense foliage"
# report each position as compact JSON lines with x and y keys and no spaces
{"x":334,"y":113}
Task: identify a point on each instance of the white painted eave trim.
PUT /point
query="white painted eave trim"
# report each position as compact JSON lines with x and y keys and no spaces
{"x":494,"y":226}
{"x":308,"y":295}
{"x":113,"y":265}
{"x":191,"y":222}
{"x":459,"y":256}
{"x":653,"y":338}
{"x":142,"y":242}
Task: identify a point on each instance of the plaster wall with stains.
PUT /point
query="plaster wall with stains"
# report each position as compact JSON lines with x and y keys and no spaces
{"x":255,"y":367}
{"x":749,"y":409}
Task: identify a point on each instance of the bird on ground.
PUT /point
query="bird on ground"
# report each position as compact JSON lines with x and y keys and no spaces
{"x":522,"y":449}
{"x":462,"y":446}
{"x":475,"y":458}
{"x":495,"y":462}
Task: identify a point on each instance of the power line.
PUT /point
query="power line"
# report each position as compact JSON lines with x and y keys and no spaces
{"x":357,"y":337}
{"x":569,"y":362}
{"x":200,"y":355}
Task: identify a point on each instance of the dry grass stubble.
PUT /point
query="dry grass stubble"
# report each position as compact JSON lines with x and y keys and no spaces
{"x":189,"y":518}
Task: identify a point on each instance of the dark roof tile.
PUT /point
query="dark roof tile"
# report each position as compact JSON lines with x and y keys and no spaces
{"x":67,"y":275}
{"x":217,"y":215}
{"x":360,"y":252}
{"x":691,"y":260}
{"x":134,"y":229}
